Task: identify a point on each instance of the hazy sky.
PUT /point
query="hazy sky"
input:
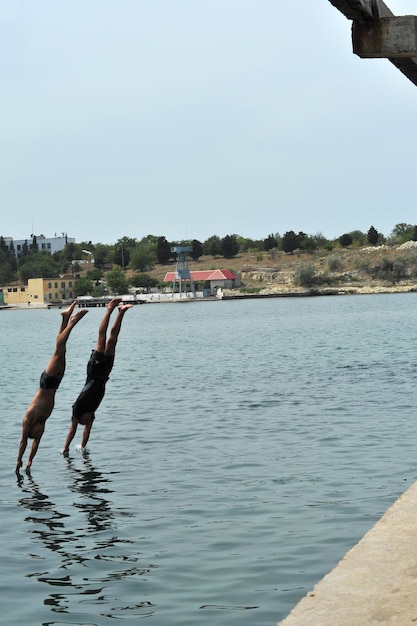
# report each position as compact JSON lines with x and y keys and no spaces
{"x":188,"y":118}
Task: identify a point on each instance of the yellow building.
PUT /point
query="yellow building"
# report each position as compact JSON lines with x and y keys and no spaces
{"x":40,"y":291}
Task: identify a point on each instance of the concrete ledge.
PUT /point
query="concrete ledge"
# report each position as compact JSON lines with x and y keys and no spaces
{"x":375,"y":582}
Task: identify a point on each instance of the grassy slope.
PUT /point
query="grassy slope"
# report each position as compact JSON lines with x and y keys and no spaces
{"x":257,"y":268}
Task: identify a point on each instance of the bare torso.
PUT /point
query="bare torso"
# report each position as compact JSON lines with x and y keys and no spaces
{"x":38,"y":412}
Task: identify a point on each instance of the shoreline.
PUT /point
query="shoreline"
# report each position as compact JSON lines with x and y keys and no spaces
{"x":329,"y":291}
{"x":229,"y":294}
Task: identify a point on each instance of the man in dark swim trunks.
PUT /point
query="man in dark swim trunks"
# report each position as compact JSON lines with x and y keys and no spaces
{"x":41,"y":407}
{"x":98,"y":371}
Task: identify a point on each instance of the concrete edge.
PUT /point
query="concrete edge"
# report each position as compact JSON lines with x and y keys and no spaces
{"x":375,"y":582}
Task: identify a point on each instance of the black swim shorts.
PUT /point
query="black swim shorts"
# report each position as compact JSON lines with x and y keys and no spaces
{"x":49,"y":382}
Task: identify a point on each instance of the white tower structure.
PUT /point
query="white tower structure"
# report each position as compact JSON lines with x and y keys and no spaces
{"x":182,"y":271}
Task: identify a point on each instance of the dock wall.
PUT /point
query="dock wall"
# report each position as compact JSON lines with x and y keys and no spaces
{"x":376,"y":581}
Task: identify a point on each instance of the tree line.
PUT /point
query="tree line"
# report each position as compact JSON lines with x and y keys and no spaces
{"x":141,"y":255}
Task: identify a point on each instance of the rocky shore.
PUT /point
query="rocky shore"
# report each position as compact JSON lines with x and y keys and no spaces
{"x":369,"y":270}
{"x":229,"y":294}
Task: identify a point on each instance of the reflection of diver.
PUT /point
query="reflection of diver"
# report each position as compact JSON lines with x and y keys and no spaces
{"x":47,"y":524}
{"x":91,"y":485}
{"x":48,"y":520}
{"x":86,"y":555}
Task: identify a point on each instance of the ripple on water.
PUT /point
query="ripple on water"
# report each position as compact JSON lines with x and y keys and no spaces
{"x":241,"y":449}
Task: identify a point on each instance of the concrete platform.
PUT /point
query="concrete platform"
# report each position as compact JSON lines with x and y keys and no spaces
{"x":376,"y":581}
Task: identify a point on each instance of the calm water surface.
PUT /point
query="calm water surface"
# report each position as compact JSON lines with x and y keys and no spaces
{"x":241,"y":449}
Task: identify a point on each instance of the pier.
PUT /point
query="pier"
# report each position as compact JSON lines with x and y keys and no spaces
{"x":375,"y":582}
{"x":86,"y":303}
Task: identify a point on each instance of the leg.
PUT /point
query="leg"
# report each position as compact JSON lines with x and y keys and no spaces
{"x":65,"y":316}
{"x":43,"y":403}
{"x":56,"y":364}
{"x":86,"y":432}
{"x":70,"y":436}
{"x":114,"y":333}
{"x":102,"y":331}
{"x":33,"y":425}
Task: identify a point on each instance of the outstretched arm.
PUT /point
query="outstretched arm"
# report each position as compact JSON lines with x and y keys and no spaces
{"x":33,"y":451}
{"x":22,"y":448}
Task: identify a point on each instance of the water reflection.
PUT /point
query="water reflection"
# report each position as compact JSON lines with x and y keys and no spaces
{"x":83,"y":558}
{"x":92,"y":486}
{"x":48,"y":522}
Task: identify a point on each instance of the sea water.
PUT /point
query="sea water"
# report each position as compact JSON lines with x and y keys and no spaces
{"x":242,"y":447}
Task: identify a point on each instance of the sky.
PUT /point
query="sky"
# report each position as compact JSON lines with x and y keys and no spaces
{"x":193,"y":118}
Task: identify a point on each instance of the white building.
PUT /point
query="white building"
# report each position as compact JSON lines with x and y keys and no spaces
{"x":48,"y":244}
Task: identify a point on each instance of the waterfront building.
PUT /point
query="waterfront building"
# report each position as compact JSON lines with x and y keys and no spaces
{"x":39,"y":291}
{"x":224,"y":279}
{"x":45,"y":244}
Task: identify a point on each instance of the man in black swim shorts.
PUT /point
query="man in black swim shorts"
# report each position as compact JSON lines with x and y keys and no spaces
{"x":33,"y":425}
{"x":98,"y":371}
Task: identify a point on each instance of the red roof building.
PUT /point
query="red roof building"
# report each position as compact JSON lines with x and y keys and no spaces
{"x":216,"y":278}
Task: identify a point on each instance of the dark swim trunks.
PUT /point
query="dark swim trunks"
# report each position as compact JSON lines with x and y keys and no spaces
{"x":49,"y":382}
{"x":98,"y":370}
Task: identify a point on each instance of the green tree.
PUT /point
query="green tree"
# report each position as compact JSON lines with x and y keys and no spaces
{"x":116,"y":280}
{"x":103,"y":255}
{"x":163,"y":250}
{"x":99,"y":290}
{"x":270,"y":242}
{"x":143,"y":280}
{"x":68,"y":252}
{"x":345,"y":240}
{"x":25,"y":250}
{"x":246,"y":244}
{"x":372,"y":236}
{"x":84,"y":287}
{"x":320,"y":240}
{"x":229,"y":246}
{"x":7,"y":272}
{"x":143,"y":257}
{"x":3,"y":246}
{"x":212,"y":246}
{"x":358,"y":238}
{"x":402,"y":232}
{"x":289,"y":242}
{"x":38,"y":265}
{"x":75,"y":268}
{"x":197,"y":249}
{"x":95,"y":274}
{"x":307,"y":243}
{"x":122,"y":251}
{"x":121,"y":256}
{"x":12,"y":256}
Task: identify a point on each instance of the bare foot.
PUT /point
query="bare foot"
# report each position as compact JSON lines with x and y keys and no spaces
{"x":114,"y":303}
{"x":124,"y":307}
{"x":77,"y":316}
{"x":67,"y":314}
